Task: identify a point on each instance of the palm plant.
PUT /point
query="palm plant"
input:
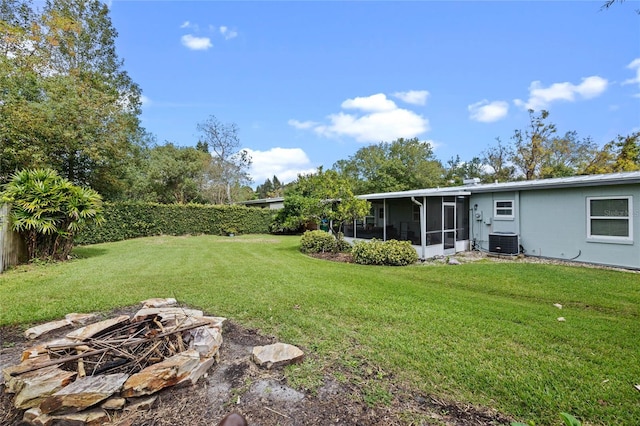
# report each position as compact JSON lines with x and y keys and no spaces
{"x":48,"y":210}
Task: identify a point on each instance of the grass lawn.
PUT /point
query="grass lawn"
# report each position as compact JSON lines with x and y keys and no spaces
{"x":482,"y":333}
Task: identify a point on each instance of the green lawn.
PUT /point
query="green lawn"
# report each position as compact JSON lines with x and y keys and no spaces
{"x":482,"y":333}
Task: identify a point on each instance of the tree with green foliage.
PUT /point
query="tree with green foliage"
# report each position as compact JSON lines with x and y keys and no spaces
{"x":48,"y":210}
{"x":174,"y":174}
{"x":497,"y":157}
{"x":66,"y":102}
{"x":401,"y":165}
{"x":538,"y":152}
{"x":270,"y":188}
{"x":529,"y":147}
{"x":457,"y":170}
{"x":324,"y":195}
{"x":620,"y":155}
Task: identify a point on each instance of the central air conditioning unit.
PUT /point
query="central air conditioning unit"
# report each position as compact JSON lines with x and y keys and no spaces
{"x":504,"y":243}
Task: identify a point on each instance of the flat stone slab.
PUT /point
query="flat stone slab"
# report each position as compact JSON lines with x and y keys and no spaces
{"x":32,"y":388}
{"x":276,"y":355}
{"x":84,"y":392}
{"x":95,"y":417}
{"x":91,"y":330}
{"x":170,"y":316}
{"x":158,"y":302}
{"x":206,"y":340}
{"x":39,"y":330}
{"x":80,"y":319}
{"x":161,"y":375}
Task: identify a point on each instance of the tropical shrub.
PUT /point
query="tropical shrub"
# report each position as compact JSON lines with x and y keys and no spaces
{"x":318,"y":242}
{"x":48,"y":210}
{"x":376,"y":252}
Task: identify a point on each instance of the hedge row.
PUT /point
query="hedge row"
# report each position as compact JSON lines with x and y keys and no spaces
{"x":377,"y":252}
{"x":131,"y":220}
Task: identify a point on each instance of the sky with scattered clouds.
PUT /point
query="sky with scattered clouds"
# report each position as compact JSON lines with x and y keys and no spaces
{"x":310,"y":83}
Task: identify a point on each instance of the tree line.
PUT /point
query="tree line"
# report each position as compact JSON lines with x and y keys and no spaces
{"x":67,"y":104}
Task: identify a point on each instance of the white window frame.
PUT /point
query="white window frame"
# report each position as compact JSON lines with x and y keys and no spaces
{"x":611,"y":238}
{"x":503,"y":216}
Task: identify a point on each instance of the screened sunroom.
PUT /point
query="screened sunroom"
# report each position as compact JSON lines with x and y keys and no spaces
{"x":436,"y":221}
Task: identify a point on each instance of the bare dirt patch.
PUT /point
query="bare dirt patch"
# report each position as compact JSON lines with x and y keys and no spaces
{"x":265,"y":397}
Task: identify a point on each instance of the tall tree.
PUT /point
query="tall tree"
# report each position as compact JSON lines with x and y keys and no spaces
{"x":620,"y":155}
{"x":229,"y":164}
{"x":270,"y":188}
{"x":400,"y":165}
{"x":566,"y":156}
{"x":529,"y":145}
{"x":457,"y":170}
{"x":170,"y":174}
{"x":498,"y":157}
{"x":68,"y":105}
{"x":538,"y":152}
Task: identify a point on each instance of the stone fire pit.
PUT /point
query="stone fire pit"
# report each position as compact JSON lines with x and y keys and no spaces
{"x":115,"y":364}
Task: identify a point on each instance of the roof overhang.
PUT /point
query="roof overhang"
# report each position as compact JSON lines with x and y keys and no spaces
{"x":432,"y":192}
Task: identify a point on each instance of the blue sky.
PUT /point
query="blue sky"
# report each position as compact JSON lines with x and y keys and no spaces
{"x":309,"y":83}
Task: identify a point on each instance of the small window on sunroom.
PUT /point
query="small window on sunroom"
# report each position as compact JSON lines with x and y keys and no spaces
{"x":503,"y":209}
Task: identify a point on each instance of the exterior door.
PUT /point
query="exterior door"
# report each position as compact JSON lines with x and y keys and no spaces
{"x":449,"y":227}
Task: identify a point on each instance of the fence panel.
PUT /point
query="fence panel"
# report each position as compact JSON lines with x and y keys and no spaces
{"x":12,"y":248}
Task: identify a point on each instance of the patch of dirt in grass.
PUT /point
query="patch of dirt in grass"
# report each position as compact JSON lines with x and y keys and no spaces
{"x":265,"y":397}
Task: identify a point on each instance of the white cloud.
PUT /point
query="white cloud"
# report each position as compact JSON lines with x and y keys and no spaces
{"x":378,"y":119}
{"x":373,"y":103}
{"x":302,"y":124}
{"x":196,"y":43}
{"x":285,"y":163}
{"x":413,"y":97}
{"x":145,"y":100}
{"x":375,"y":127}
{"x":634,"y":66}
{"x":488,"y":112}
{"x":185,"y":24}
{"x":541,"y":97}
{"x":227,"y":33}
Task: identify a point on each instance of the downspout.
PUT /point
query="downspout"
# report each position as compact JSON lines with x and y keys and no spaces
{"x":423,"y":226}
{"x":517,"y":211}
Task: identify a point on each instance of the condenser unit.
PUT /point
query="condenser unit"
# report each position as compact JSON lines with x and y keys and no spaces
{"x":504,"y":243}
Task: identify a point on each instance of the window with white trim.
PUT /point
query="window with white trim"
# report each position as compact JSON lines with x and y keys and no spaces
{"x":503,"y":209}
{"x":609,"y":218}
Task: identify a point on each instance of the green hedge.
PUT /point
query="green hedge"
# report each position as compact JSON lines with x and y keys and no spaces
{"x":376,"y":252}
{"x":132,"y":220}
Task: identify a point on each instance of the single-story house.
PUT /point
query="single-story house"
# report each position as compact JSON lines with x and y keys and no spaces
{"x":274,"y":203}
{"x":581,"y":218}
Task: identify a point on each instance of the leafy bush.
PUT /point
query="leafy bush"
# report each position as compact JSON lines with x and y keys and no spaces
{"x":343,"y":246}
{"x":127,"y":220}
{"x":318,"y":242}
{"x":48,"y":210}
{"x":376,"y":252}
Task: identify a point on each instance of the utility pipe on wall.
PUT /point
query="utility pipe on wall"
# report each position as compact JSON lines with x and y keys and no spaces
{"x":423,"y":227}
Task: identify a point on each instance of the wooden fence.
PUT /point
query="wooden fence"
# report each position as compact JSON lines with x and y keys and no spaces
{"x":12,"y":248}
